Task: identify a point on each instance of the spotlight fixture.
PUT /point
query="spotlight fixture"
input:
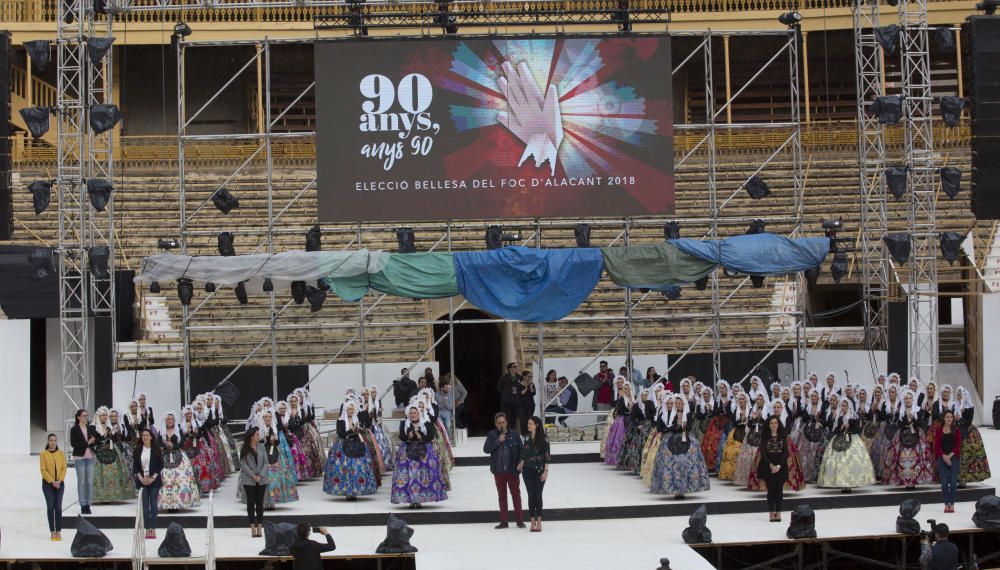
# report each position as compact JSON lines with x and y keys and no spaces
{"x":510,"y":238}
{"x":672,"y":230}
{"x":895,"y":180}
{"x":756,"y":187}
{"x":832,"y":224}
{"x":892,"y":3}
{"x":951,"y":110}
{"x":298,"y":292}
{"x":268,"y":286}
{"x":210,"y":287}
{"x":888,"y":38}
{"x":757,"y":281}
{"x":41,"y":194}
{"x":314,"y":239}
{"x":988,"y":7}
{"x":944,"y":38}
{"x":446,"y":20}
{"x":182,"y":30}
{"x":838,"y":268}
{"x":898,"y":245}
{"x":185,"y":290}
{"x":167,"y":243}
{"x":406,"y":240}
{"x":241,"y":293}
{"x":316,"y":298}
{"x":37,"y":120}
{"x":38,"y":51}
{"x":790,"y":19}
{"x":99,"y":191}
{"x":104,"y":117}
{"x":494,"y":237}
{"x":888,"y":109}
{"x":99,"y":257}
{"x":154,"y":287}
{"x":701,"y":284}
{"x":97,"y":47}
{"x":812,"y":276}
{"x":224,"y":201}
{"x":672,"y":293}
{"x":951,"y":246}
{"x":582,"y":234}
{"x":756,"y":227}
{"x":226,"y":247}
{"x":951,"y":181}
{"x":41,"y":263}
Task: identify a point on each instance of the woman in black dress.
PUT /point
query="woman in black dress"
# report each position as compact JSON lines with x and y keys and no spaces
{"x":534,"y":468}
{"x":773,"y":465}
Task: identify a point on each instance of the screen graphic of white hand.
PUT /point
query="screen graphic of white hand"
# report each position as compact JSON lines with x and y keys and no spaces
{"x":532,"y":117}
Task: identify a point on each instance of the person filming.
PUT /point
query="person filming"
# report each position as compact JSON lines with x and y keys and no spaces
{"x":306,"y":554}
{"x":936,"y":551}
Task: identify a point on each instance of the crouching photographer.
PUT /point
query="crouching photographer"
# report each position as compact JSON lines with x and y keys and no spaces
{"x":936,"y":551}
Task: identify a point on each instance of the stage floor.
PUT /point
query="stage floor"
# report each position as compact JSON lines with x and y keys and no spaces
{"x":586,"y":504}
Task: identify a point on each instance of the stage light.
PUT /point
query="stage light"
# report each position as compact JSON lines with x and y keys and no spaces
{"x":987,"y":515}
{"x":888,"y":109}
{"x":790,"y":19}
{"x":812,"y":276}
{"x":988,"y":7}
{"x":446,"y":20}
{"x":104,"y":117}
{"x":99,"y":191}
{"x":951,"y":110}
{"x":41,"y":195}
{"x":226,"y":247}
{"x":175,"y":544}
{"x":241,"y":292}
{"x":224,"y":201}
{"x":756,"y":187}
{"x":182,"y":30}
{"x":701,"y":284}
{"x":944,"y":37}
{"x":38,"y":51}
{"x":757,"y":281}
{"x":185,"y":290}
{"x":89,"y":542}
{"x":832,"y":224}
{"x":97,"y":47}
{"x":99,"y":257}
{"x":314,"y":239}
{"x":37,"y":120}
{"x":397,"y":537}
{"x":210,"y":287}
{"x":803,"y":523}
{"x":672,"y":230}
{"x":167,"y":243}
{"x":494,"y":237}
{"x":154,"y":287}
{"x":664,"y":564}
{"x":951,"y":180}
{"x":951,"y":246}
{"x":756,"y":227}
{"x":888,"y":38}
{"x":697,"y":531}
{"x":838,"y":268}
{"x":298,"y":292}
{"x":41,"y":263}
{"x":895,"y":180}
{"x":268,"y":286}
{"x":672,"y":293}
{"x":510,"y":238}
{"x":406,"y":240}
{"x":316,"y":298}
{"x":892,"y":3}
{"x":582,"y":234}
{"x":898,"y":245}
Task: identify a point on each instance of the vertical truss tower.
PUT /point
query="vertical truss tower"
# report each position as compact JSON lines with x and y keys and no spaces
{"x":868,"y":63}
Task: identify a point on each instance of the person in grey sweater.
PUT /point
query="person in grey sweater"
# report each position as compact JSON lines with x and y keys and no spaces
{"x":253,"y":478}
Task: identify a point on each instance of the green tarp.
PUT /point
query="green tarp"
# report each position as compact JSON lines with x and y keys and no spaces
{"x":652,"y":266}
{"x":417,"y":276}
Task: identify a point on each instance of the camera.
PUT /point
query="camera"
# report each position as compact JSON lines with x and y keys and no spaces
{"x":316,"y":530}
{"x":929,"y":535}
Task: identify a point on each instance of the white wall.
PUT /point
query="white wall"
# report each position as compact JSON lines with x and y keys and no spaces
{"x":15,"y":369}
{"x":327,"y":390}
{"x":990,"y":352}
{"x":162,"y":387}
{"x":858,"y":364}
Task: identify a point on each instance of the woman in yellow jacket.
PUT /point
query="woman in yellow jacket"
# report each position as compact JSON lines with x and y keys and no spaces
{"x":52,"y":463}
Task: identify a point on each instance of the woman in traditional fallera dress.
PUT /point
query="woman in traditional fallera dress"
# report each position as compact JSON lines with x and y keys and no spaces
{"x":205,"y":425}
{"x":680,"y":467}
{"x":368,"y":437}
{"x":194,"y":445}
{"x":846,"y":463}
{"x":135,"y":422}
{"x":303,"y":469}
{"x":888,"y":416}
{"x":745,"y":460}
{"x":385,"y":443}
{"x":796,"y":407}
{"x":429,"y":408}
{"x":417,"y":476}
{"x":718,"y":428}
{"x":812,"y":436}
{"x":281,"y":484}
{"x":973,"y":465}
{"x":737,"y":435}
{"x":794,"y":477}
{"x":867,"y":420}
{"x":297,"y":424}
{"x":908,"y":461}
{"x":756,"y":389}
{"x":703,"y":409}
{"x":652,"y":445}
{"x":119,"y":435}
{"x":348,"y":470}
{"x":640,"y":425}
{"x":226,"y":446}
{"x":179,"y":488}
{"x":616,"y":434}
{"x":112,"y":476}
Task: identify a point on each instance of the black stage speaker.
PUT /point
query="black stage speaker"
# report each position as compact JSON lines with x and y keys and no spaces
{"x":6,"y":196}
{"x":981,"y":46}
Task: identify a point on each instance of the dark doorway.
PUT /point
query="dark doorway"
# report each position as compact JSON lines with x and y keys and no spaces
{"x":478,"y":354}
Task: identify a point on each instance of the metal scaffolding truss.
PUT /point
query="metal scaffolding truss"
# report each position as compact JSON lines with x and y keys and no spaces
{"x":81,"y":155}
{"x":786,"y":53}
{"x":868,"y":62}
{"x":922,"y":186}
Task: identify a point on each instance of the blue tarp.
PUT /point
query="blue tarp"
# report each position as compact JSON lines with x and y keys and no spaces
{"x":532,"y":285}
{"x":760,"y":254}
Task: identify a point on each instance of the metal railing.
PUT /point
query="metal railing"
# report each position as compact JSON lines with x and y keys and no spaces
{"x":139,"y":538}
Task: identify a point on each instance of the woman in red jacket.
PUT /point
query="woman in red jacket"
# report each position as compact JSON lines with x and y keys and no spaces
{"x":947,"y":444}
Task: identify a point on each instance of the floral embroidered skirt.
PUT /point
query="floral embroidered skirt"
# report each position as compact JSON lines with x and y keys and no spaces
{"x":904,"y":466}
{"x":113,"y":481}
{"x":348,"y":476}
{"x":714,"y":440}
{"x":680,"y":473}
{"x":649,"y":452}
{"x":846,"y":469}
{"x":796,"y":480}
{"x":385,"y":445}
{"x":973,"y":465}
{"x":731,"y":451}
{"x":179,"y":489}
{"x":417,"y":480}
{"x":745,"y":464}
{"x":616,"y":437}
{"x":630,"y":456}
{"x":303,"y":468}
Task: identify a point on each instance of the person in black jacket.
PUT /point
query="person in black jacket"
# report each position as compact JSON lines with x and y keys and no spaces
{"x":307,"y":554}
{"x":403,"y":389}
{"x":505,"y":447}
{"x":525,"y":401}
{"x":507,"y":388}
{"x":82,"y":438}
{"x":147,"y":466}
{"x":773,"y":465}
